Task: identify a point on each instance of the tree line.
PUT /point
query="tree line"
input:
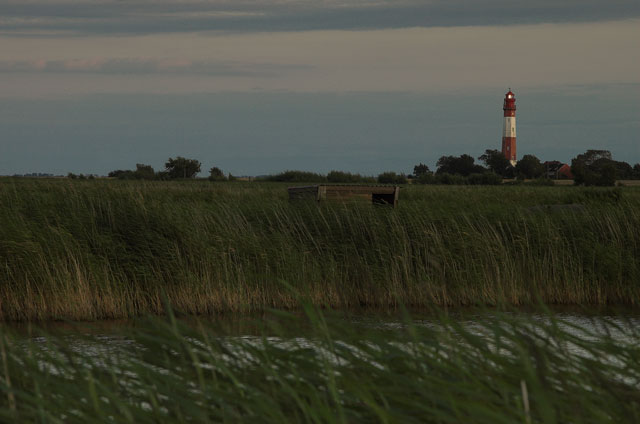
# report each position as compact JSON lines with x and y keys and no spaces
{"x":175,"y":168}
{"x":463,"y":169}
{"x":594,"y":167}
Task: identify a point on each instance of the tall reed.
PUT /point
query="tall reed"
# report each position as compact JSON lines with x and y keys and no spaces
{"x":499,"y":369}
{"x":109,"y":249}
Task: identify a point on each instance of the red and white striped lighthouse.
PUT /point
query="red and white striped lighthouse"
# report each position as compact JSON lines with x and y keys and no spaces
{"x":509,"y":128}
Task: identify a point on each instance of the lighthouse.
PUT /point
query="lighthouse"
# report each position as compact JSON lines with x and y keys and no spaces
{"x":509,"y":128}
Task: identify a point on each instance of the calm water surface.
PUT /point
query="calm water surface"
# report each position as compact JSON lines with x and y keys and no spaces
{"x":585,"y":322}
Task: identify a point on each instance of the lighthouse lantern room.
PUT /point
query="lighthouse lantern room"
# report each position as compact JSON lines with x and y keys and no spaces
{"x":509,"y":128}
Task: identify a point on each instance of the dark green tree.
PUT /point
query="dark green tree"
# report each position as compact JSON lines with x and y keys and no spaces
{"x":624,"y":171}
{"x":594,"y":167}
{"x":420,"y":170}
{"x":144,"y":172}
{"x":182,"y":168}
{"x":590,"y":156}
{"x":462,"y":165}
{"x":608,"y":174}
{"x":497,"y":163}
{"x":216,"y":174}
{"x":529,"y":167}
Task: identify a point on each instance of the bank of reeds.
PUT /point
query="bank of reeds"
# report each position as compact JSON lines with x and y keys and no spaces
{"x":498,"y":369}
{"x":108,"y":249}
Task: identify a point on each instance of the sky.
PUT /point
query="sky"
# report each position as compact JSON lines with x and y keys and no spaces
{"x":258,"y":87}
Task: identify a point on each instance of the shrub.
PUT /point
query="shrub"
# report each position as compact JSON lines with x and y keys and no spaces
{"x":142,"y":172}
{"x":297,"y":177}
{"x":450,"y":179}
{"x":426,"y":179}
{"x":348,"y":177}
{"x":392,"y":178}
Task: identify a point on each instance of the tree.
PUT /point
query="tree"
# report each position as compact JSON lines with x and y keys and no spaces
{"x":590,"y":156}
{"x":463,"y":165}
{"x":624,"y":171}
{"x":420,"y":170}
{"x":529,"y":167}
{"x":608,"y":175}
{"x":216,"y":174}
{"x":636,"y":171}
{"x":144,"y":172}
{"x":182,"y":168}
{"x":594,"y":167}
{"x":497,"y":163}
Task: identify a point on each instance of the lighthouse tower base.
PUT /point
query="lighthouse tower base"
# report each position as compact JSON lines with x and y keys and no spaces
{"x":509,"y":142}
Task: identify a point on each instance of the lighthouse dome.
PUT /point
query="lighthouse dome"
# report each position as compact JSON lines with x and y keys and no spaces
{"x":510,"y":103}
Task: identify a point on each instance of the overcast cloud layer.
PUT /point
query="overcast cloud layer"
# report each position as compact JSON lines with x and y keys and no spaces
{"x":258,"y":86}
{"x":144,"y":66}
{"x":411,"y":59}
{"x":33,"y":17}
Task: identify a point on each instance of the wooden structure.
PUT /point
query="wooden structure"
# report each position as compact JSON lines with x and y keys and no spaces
{"x":376,"y":194}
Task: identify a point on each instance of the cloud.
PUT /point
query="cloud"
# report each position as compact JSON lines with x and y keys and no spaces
{"x":413,"y":59}
{"x":162,"y":16}
{"x":141,"y":66}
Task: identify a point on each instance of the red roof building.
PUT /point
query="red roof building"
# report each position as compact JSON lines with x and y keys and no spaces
{"x":557,"y":170}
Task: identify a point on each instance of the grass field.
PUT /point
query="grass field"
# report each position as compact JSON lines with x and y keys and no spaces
{"x":109,"y":249}
{"x":626,"y":183}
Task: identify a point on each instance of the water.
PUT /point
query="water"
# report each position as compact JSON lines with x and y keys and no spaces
{"x":248,"y":364}
{"x":619,"y":324}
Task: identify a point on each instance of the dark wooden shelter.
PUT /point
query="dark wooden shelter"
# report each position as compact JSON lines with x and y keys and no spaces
{"x":376,"y":194}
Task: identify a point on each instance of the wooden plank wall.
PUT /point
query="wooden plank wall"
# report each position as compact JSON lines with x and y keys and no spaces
{"x":373,"y":194}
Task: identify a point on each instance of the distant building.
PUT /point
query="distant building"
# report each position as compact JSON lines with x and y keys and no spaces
{"x":557,"y":170}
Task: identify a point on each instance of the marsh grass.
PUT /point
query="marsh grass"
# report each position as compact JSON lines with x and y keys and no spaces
{"x":108,"y":249}
{"x":502,"y":368}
